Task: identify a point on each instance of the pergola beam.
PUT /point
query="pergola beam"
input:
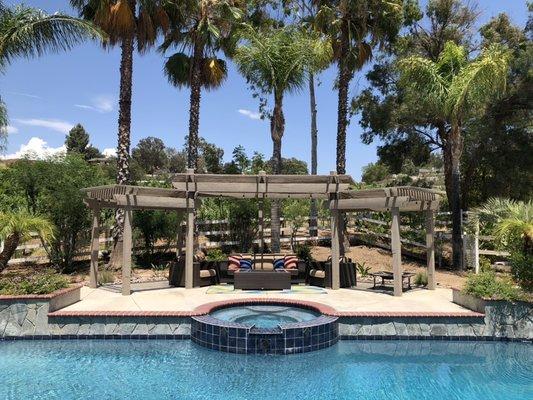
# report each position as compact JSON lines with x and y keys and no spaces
{"x":149,"y":202}
{"x":369,"y":203}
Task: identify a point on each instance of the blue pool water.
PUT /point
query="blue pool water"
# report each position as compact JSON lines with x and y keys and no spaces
{"x":181,"y":370}
{"x":262,"y":316}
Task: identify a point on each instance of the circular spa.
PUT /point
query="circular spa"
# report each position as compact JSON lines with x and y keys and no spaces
{"x":261,"y":328}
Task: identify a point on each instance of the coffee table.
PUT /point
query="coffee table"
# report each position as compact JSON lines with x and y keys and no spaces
{"x":262,"y":280}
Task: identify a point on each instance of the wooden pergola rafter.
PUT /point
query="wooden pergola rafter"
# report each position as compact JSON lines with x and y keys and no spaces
{"x":188,"y":188}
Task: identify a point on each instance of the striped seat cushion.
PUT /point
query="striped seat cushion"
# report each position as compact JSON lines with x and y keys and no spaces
{"x":291,"y":262}
{"x":245,"y":264}
{"x":234,"y":263}
{"x":279,"y":263}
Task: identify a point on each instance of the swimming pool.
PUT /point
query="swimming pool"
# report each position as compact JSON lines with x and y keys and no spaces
{"x":264,"y":316}
{"x":131,"y":369}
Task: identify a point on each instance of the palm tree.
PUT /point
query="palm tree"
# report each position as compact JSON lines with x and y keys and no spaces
{"x":306,"y":10}
{"x":454,"y":89}
{"x":201,"y":28}
{"x":356,"y":26}
{"x":16,"y":228}
{"x":126,"y":22}
{"x":30,"y":32}
{"x":275,"y":63}
{"x":510,"y":221}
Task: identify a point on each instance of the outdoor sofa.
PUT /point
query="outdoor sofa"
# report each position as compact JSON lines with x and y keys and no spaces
{"x":264,"y":263}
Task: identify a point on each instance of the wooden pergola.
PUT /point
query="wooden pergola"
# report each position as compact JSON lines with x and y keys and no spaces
{"x":395,"y":200}
{"x":189,"y":188}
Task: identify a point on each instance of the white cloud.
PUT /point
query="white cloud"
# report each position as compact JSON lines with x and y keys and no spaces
{"x":249,"y":114}
{"x":36,"y":148}
{"x":109,"y":152}
{"x":32,"y":96}
{"x":52,"y":124}
{"x":102,"y":104}
{"x":10,"y":129}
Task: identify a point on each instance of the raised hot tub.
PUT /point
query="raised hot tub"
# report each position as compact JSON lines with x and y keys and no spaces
{"x":264,"y":328}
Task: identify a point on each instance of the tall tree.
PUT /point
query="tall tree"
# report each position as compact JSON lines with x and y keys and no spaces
{"x":498,"y":145}
{"x":454,"y":89}
{"x":356,"y":27}
{"x":275,"y":63}
{"x":77,"y":141}
{"x":306,"y":11}
{"x":30,"y":32}
{"x":126,"y":22}
{"x":200,"y":29}
{"x":151,"y":154}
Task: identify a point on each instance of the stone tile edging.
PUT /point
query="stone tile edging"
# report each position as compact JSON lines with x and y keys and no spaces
{"x":315,"y":306}
{"x":48,"y":296}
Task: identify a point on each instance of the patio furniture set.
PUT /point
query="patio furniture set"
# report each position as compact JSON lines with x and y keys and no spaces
{"x":263,"y":275}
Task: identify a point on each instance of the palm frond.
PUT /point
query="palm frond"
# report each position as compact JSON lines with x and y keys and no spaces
{"x":214,"y":72}
{"x":177,"y":69}
{"x":23,"y":224}
{"x":423,"y":77}
{"x":29,"y":32}
{"x":478,"y":82}
{"x":276,"y":60}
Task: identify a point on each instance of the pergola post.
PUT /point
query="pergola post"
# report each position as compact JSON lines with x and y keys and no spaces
{"x":126,"y":252}
{"x":189,"y":245}
{"x":396,"y":248}
{"x":335,"y":249}
{"x":430,"y":248}
{"x":261,"y":229}
{"x":179,"y":238}
{"x":95,"y":247}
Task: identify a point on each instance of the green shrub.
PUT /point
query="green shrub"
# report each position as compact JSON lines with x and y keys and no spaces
{"x":303,"y":252}
{"x":522,"y":270}
{"x":485,"y":265}
{"x":105,"y":276}
{"x":486,"y":285}
{"x":421,"y":278}
{"x":362,"y":269}
{"x":40,"y":283}
{"x":215,"y":255}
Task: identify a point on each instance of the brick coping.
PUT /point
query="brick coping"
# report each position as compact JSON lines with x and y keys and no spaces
{"x":319,"y":307}
{"x":48,"y":296}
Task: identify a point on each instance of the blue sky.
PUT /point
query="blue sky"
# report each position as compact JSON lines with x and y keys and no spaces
{"x":46,"y":96}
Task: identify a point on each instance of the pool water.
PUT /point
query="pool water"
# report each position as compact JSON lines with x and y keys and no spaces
{"x":135,"y":369}
{"x":262,"y":316}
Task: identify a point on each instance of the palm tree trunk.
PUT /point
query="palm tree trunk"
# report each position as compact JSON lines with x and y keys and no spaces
{"x":194,"y":110}
{"x":124,"y":140}
{"x":345,"y":76}
{"x":277,"y":127}
{"x":10,"y":245}
{"x":456,"y":146}
{"x":313,"y":214}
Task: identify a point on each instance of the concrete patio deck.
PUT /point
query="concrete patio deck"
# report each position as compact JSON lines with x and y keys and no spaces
{"x":157,"y":296}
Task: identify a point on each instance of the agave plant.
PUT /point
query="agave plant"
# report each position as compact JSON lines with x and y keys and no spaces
{"x":16,"y":228}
